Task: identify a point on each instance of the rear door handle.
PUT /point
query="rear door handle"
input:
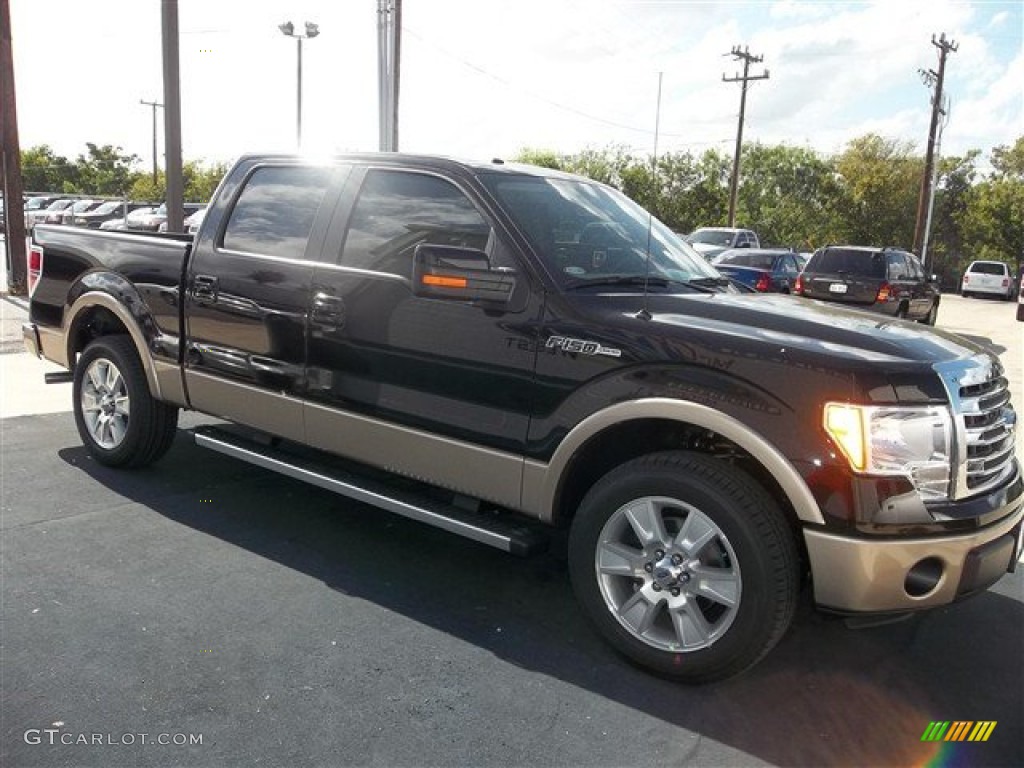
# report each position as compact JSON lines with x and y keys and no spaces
{"x":328,"y":310}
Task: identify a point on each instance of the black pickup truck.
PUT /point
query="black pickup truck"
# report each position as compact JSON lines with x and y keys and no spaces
{"x":504,"y":351}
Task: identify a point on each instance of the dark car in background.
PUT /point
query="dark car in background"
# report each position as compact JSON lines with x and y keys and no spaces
{"x":766,"y":270}
{"x":67,"y":216}
{"x":106,"y":211}
{"x":886,"y":280}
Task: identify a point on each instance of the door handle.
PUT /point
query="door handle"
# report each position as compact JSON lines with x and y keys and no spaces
{"x":328,"y":310}
{"x":205,"y":287}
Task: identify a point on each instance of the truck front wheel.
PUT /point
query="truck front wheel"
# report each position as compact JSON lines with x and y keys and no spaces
{"x":685,"y":564}
{"x":119,"y":421}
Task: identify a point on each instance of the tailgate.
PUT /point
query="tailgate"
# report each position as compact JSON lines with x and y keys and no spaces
{"x":851,"y":289}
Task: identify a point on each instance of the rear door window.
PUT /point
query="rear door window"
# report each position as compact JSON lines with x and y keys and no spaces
{"x":989,"y":268}
{"x":274,"y":214}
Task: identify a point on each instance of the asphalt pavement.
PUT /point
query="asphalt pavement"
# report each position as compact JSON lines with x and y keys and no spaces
{"x":244,"y":618}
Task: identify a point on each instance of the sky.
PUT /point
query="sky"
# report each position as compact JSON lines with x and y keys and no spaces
{"x":487,"y":78}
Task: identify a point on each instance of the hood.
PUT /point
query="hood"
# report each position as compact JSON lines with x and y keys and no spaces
{"x":788,"y":322}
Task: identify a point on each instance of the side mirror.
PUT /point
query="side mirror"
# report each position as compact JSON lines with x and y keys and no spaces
{"x":462,"y":274}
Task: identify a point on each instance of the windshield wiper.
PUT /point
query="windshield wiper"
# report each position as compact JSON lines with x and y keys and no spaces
{"x":637,"y":280}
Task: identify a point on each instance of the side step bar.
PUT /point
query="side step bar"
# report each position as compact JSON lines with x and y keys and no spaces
{"x":341,"y":477}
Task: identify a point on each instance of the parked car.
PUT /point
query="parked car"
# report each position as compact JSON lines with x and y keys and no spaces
{"x":191,"y":222}
{"x":107,"y":211}
{"x":152,"y":222}
{"x":1020,"y":295}
{"x":711,"y":241}
{"x":68,"y":215}
{"x":41,"y":215}
{"x":988,"y":278}
{"x":766,"y":270}
{"x":886,"y":280}
{"x":133,"y":220}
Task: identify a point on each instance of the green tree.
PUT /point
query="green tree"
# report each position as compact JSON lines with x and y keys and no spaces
{"x":790,"y":196}
{"x":107,"y":170}
{"x":201,"y":181}
{"x":880,"y":179}
{"x":43,"y":170}
{"x":993,"y":220}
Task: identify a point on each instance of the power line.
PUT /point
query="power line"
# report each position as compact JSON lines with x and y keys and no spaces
{"x":747,"y":58}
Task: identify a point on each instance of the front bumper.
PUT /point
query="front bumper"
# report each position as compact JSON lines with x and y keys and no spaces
{"x":867,"y":575}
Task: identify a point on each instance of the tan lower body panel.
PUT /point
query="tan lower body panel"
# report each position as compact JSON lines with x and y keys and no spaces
{"x":865,"y":575}
{"x":261,"y":409}
{"x":458,"y":466}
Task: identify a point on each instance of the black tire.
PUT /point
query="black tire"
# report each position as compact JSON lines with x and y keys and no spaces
{"x":108,"y":372}
{"x":965,"y":294}
{"x":901,"y":312}
{"x":752,"y":554}
{"x":932,"y":316}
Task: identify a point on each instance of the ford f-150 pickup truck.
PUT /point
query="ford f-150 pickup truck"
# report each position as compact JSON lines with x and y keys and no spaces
{"x":500,"y":350}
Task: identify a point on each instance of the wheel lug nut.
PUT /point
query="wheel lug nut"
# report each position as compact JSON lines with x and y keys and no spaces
{"x":677,"y":559}
{"x":659,"y":553}
{"x":648,"y":567}
{"x":656,"y":587}
{"x":675,"y":591}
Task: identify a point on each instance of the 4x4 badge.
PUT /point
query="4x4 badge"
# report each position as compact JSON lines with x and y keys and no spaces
{"x":582,"y":346}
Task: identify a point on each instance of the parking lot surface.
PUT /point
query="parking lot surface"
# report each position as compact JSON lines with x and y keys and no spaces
{"x":204,"y":612}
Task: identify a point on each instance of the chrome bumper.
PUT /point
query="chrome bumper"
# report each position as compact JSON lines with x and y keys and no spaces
{"x":862,"y":575}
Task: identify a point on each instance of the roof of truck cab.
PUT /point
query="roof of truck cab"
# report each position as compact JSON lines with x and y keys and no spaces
{"x":438,"y":162}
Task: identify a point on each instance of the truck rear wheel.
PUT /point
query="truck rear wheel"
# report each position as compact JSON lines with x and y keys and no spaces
{"x":119,"y":421}
{"x":685,"y":564}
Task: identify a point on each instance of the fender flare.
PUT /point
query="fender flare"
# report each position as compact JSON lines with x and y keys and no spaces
{"x":542,"y":482}
{"x":94,"y":298}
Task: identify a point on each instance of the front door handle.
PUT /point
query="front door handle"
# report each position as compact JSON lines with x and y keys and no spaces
{"x":328,"y":310}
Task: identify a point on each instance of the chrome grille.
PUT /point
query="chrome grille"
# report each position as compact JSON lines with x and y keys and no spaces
{"x":984,"y":423}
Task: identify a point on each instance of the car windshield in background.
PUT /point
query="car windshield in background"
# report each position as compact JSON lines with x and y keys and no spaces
{"x":834,"y":261}
{"x":109,"y":207}
{"x":713,"y":236}
{"x":588,"y":232}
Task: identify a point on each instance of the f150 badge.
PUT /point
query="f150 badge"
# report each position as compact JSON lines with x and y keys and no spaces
{"x":582,"y":346}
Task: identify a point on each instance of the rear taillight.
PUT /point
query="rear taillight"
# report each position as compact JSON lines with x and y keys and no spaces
{"x":1006,"y":283}
{"x":965,"y":279}
{"x":35,"y":266}
{"x":798,"y":286}
{"x":763,"y":284}
{"x":884,"y":292}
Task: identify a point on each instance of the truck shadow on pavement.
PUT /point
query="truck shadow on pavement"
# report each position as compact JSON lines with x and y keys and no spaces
{"x":826,"y":695}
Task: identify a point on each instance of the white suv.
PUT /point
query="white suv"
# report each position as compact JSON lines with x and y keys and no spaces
{"x":991,"y":277}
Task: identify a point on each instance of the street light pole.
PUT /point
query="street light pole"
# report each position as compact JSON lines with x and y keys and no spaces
{"x":154,"y":105}
{"x":288,"y":30}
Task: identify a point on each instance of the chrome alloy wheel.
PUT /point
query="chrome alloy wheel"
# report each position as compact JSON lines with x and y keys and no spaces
{"x":668,"y":574}
{"x":106,"y":407}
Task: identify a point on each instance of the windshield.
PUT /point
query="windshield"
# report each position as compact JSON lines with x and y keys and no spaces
{"x":712,"y":236}
{"x":81,"y":206}
{"x":109,"y":207}
{"x":585,"y":231}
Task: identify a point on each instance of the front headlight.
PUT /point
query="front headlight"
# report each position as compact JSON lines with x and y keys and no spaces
{"x":913,"y":441}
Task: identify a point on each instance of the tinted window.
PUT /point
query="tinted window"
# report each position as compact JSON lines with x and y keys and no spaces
{"x":398,"y":210}
{"x":898,"y":269}
{"x":789,"y":265}
{"x":859,"y":263}
{"x":915,"y":267}
{"x":989,"y":268}
{"x":275,"y":212}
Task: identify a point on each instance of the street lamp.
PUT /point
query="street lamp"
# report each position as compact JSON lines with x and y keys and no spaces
{"x":288,"y":30}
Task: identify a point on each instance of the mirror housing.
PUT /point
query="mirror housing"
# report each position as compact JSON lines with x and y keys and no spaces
{"x":460,"y":274}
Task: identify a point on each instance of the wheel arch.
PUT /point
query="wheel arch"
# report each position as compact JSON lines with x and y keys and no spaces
{"x":627,"y":430}
{"x":94,"y":314}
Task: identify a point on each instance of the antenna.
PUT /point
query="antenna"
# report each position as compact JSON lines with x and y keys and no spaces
{"x":644,"y":314}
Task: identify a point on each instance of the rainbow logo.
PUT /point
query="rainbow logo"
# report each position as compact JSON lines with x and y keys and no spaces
{"x":959,"y":730}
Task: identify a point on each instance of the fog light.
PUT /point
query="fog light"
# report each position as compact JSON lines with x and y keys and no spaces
{"x":924,"y":577}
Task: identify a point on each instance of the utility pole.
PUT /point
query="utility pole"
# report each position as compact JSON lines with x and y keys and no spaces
{"x":14,"y":208}
{"x":923,"y":201}
{"x":153,"y":105}
{"x":389,"y":40}
{"x":747,"y":59}
{"x":172,"y":116}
